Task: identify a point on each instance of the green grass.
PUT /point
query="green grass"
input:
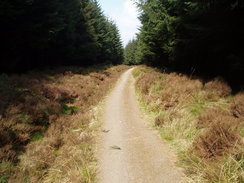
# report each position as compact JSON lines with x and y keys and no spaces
{"x":196,"y":112}
{"x":87,"y":174}
{"x":4,"y":179}
{"x":68,"y":110}
{"x":37,"y":136}
{"x":242,"y":132}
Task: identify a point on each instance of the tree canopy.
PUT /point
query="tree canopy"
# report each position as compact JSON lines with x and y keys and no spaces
{"x":38,"y":33}
{"x":193,"y":36}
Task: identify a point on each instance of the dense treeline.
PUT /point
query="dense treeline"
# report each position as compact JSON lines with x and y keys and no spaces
{"x":36,"y":33}
{"x":193,"y":36}
{"x":131,"y":53}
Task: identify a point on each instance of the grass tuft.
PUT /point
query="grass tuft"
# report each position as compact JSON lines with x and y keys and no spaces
{"x":37,"y":136}
{"x":68,"y":110}
{"x":46,"y":123}
{"x":202,"y":122}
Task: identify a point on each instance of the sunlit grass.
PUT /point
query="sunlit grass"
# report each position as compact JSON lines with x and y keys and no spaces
{"x":174,"y":103}
{"x":53,"y":123}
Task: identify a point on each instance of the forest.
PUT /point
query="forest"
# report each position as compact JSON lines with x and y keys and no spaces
{"x":196,"y":37}
{"x":59,"y":61}
{"x":41,"y":33}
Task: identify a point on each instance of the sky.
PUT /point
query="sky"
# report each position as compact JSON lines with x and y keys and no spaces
{"x":124,"y":13}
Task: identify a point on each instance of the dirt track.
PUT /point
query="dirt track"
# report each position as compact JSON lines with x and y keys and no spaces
{"x":129,"y":150}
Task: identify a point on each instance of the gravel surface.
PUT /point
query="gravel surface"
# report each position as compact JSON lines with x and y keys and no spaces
{"x":129,"y":150}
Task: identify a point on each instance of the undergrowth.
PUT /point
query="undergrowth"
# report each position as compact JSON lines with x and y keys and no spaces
{"x":203,"y":122}
{"x":46,"y":129}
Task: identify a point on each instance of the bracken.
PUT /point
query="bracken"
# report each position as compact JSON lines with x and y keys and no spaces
{"x":39,"y":118}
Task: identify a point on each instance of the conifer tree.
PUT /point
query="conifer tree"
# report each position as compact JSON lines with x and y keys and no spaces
{"x":196,"y":37}
{"x":40,"y":33}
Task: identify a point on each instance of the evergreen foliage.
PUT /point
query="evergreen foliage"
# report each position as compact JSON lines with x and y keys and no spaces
{"x":132,"y":52}
{"x":40,"y":33}
{"x":193,"y":36}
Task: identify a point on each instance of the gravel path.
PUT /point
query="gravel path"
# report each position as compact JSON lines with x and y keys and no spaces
{"x":129,"y":151}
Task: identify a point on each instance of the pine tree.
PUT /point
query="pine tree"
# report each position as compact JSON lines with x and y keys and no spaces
{"x":40,"y":33}
{"x":200,"y":37}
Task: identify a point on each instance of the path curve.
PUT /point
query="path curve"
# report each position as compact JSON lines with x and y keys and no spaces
{"x":129,"y":151}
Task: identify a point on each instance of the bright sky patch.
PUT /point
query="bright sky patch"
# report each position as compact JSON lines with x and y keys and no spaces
{"x":124,"y":13}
